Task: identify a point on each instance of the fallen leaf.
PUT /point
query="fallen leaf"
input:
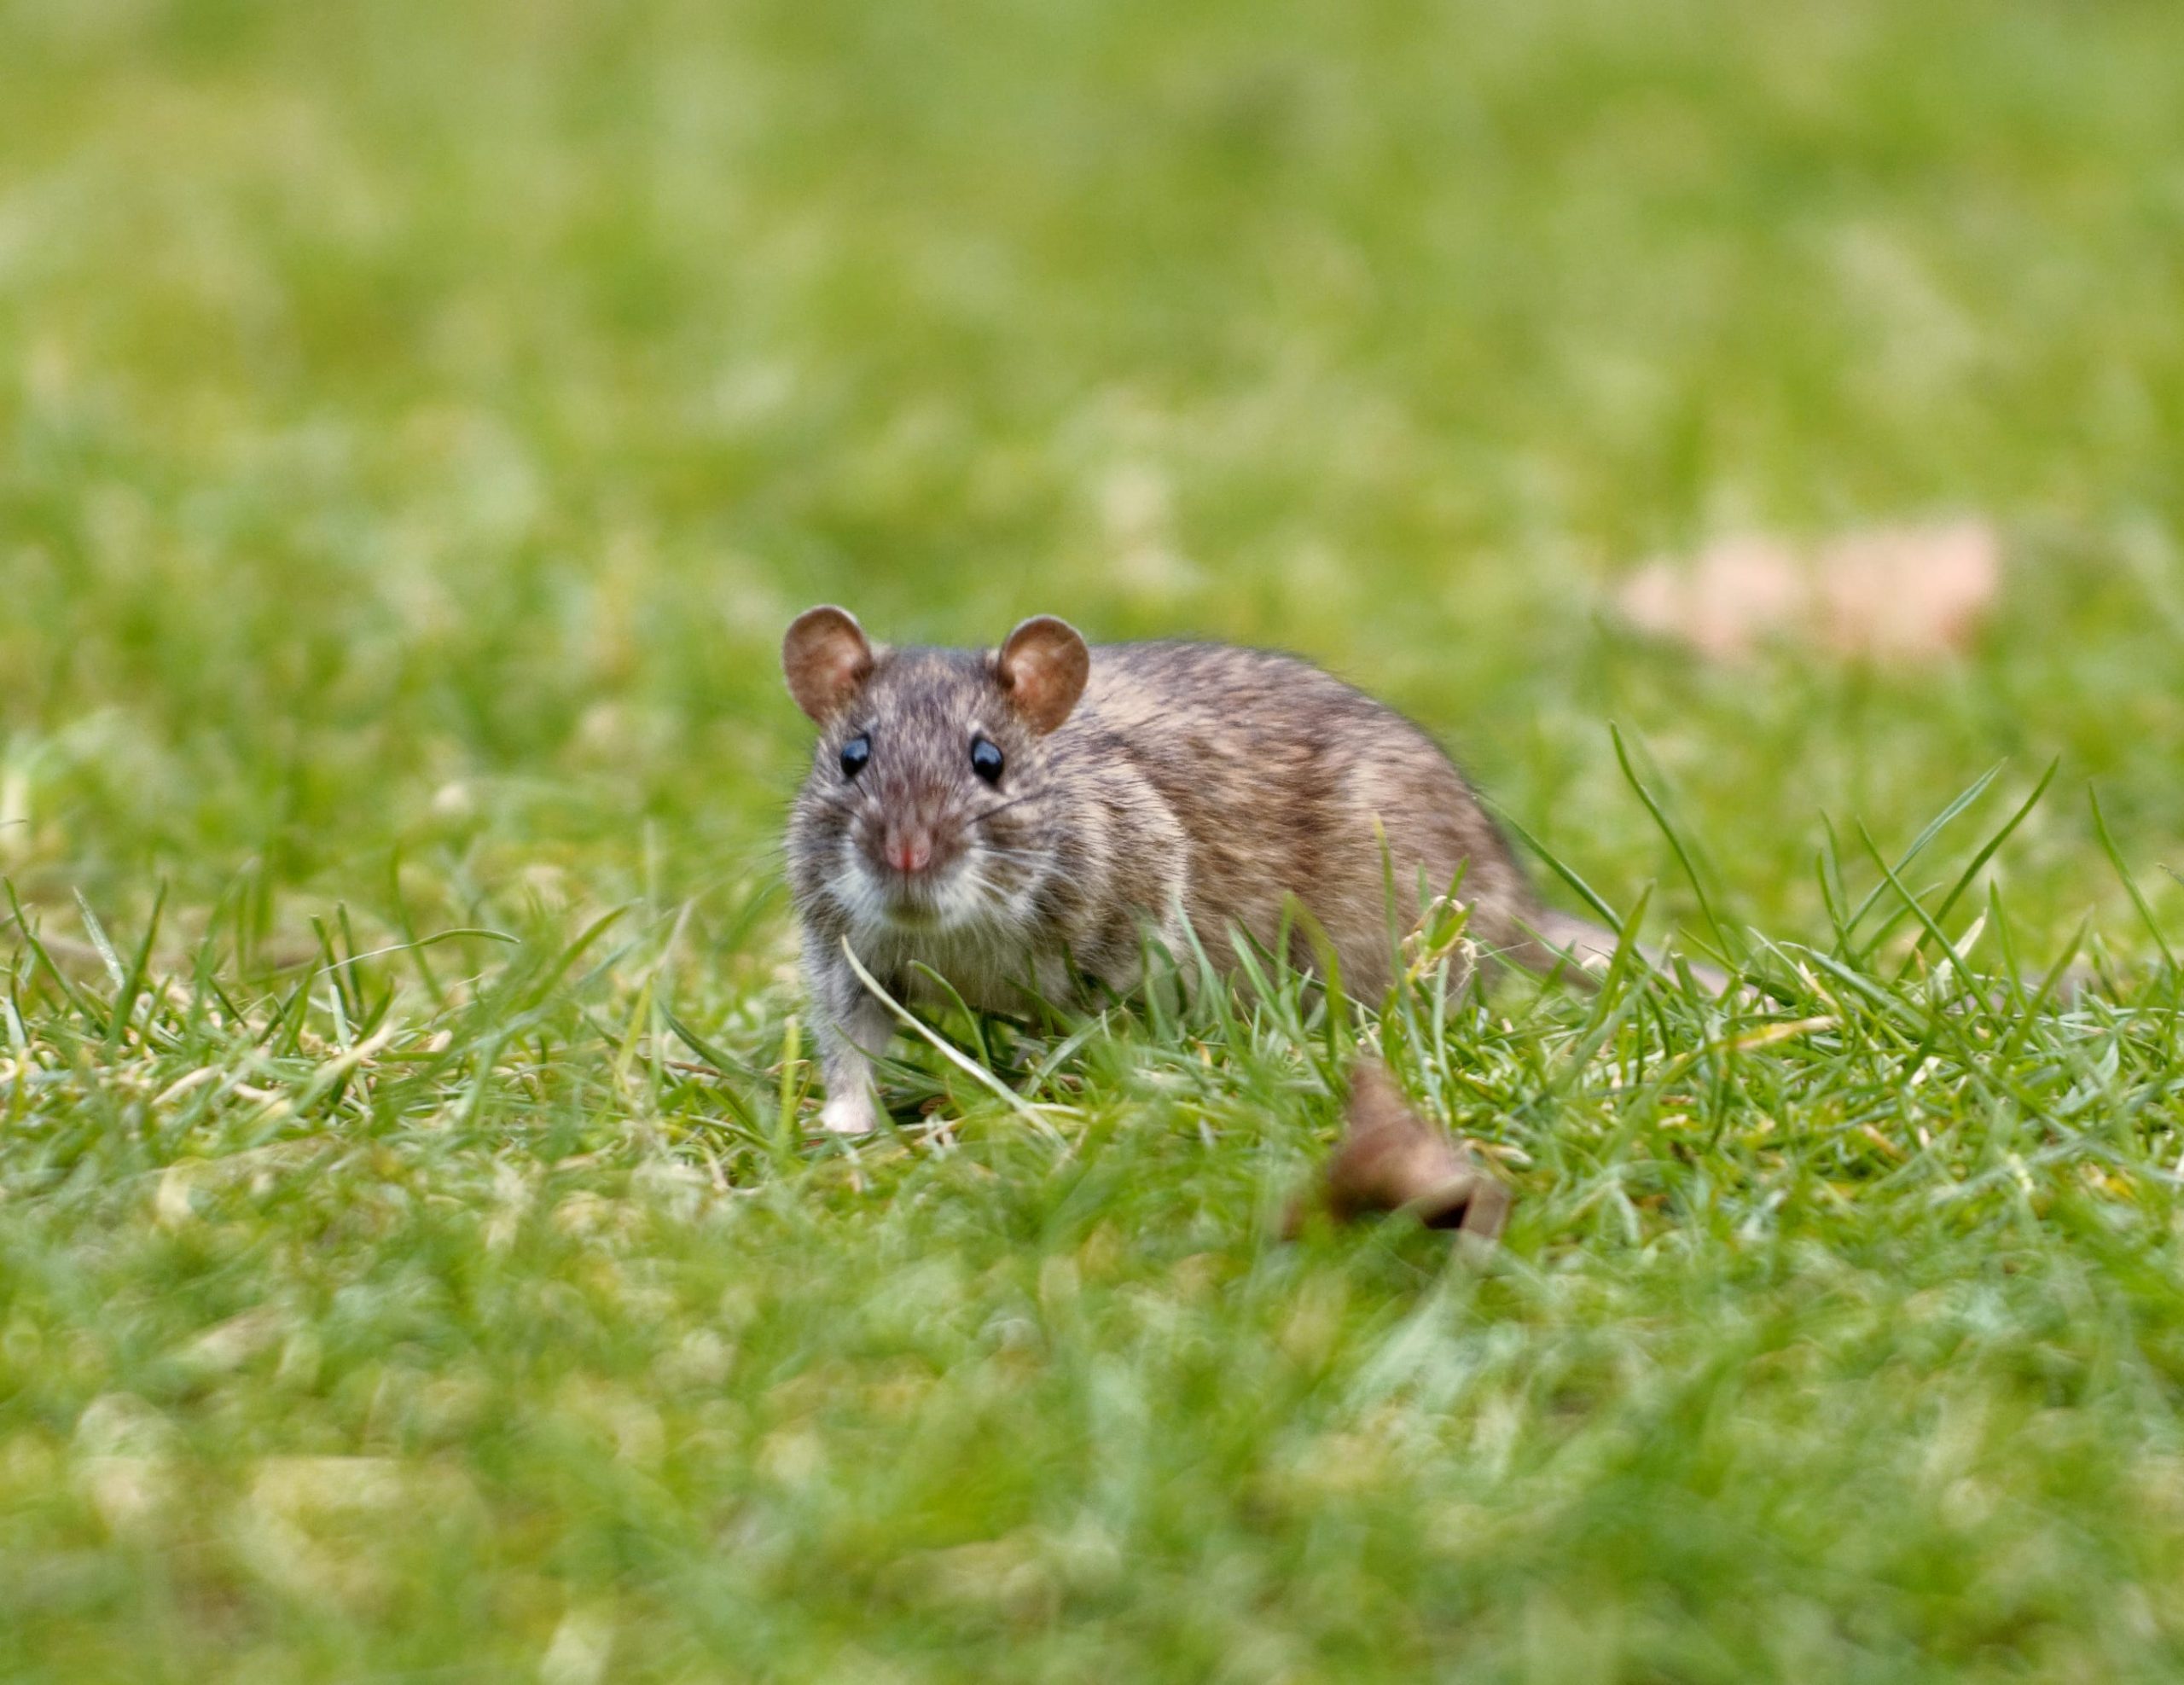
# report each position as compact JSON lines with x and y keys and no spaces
{"x":1901,"y":595}
{"x":1391,"y":1160}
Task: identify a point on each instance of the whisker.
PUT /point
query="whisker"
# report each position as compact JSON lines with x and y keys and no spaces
{"x":851,"y":801}
{"x":1002,"y":807}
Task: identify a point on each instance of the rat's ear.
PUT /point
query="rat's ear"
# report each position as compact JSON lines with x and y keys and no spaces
{"x":827,"y":658}
{"x":1042,"y":668}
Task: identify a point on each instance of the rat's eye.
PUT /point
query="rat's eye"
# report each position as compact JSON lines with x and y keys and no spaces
{"x":985,"y":760}
{"x":855,"y":753}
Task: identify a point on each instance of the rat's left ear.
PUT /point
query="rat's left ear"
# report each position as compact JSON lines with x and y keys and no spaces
{"x":1042,"y":668}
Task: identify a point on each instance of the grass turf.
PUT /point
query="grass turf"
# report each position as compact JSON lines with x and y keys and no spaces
{"x":423,"y":421}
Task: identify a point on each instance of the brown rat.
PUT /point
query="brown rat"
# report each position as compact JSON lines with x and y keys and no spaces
{"x":1001,"y":816}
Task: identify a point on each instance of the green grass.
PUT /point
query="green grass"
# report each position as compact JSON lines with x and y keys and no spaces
{"x":417,"y":424}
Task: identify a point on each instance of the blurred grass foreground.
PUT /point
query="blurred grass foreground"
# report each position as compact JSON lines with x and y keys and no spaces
{"x":417,"y":423}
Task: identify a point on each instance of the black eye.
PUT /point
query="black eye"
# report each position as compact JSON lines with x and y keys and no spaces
{"x":985,"y":760}
{"x":855,"y":753}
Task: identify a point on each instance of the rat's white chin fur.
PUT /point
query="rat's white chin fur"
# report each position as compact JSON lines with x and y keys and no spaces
{"x":959,"y":900}
{"x":918,"y":918}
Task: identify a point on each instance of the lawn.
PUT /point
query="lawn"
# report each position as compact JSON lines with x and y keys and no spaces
{"x":418,"y":423}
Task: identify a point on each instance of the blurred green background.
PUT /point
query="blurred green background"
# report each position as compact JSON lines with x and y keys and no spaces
{"x":422,"y":419}
{"x":418,"y":423}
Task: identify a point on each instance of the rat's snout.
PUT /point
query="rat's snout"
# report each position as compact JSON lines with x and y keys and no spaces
{"x":907,"y":846}
{"x":908,"y":849}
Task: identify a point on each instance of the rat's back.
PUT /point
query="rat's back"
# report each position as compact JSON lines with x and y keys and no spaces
{"x":1283,"y":781}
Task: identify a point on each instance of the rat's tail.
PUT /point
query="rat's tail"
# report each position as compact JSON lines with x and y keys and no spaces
{"x":1579,"y":950}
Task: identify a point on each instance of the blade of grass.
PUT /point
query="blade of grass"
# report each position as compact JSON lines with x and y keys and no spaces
{"x":948,"y":1050}
{"x":96,"y":931}
{"x":1555,"y":863}
{"x":22,"y":922}
{"x":1934,"y":828}
{"x":1675,"y":840}
{"x":124,"y":1005}
{"x":1910,"y":901}
{"x":2130,"y":885}
{"x":1987,"y":853}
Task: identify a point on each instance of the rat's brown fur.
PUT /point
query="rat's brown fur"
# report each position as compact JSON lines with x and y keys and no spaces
{"x":1191,"y":785}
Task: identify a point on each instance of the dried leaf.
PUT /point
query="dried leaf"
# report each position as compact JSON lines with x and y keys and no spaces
{"x":1391,"y":1160}
{"x":1902,"y":595}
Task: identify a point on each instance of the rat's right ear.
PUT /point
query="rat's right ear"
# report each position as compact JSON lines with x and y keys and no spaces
{"x":826,"y":658}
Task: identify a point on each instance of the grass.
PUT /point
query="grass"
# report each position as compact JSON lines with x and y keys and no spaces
{"x":422,"y":421}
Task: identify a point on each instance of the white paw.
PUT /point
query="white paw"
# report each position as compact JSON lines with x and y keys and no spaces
{"x":851,"y":1114}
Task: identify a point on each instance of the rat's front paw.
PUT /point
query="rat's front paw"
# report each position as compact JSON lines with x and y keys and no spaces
{"x":851,"y":1114}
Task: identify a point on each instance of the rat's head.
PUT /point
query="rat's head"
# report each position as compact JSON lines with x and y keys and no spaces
{"x":927,"y":805}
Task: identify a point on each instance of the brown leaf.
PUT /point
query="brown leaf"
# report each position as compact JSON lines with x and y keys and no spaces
{"x":1902,"y":595}
{"x":1391,"y":1160}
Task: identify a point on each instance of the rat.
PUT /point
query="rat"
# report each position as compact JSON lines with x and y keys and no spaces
{"x":1021,"y":818}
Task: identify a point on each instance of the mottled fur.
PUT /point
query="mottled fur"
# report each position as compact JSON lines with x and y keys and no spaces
{"x":1191,"y":784}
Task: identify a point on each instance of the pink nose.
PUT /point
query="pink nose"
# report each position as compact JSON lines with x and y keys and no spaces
{"x":909,"y":852}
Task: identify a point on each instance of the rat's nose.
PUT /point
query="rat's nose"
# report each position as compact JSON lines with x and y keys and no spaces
{"x":909,"y":852}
